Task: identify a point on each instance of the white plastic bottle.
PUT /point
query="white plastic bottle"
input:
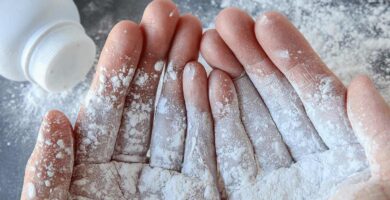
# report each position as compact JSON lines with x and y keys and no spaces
{"x":42,"y":41}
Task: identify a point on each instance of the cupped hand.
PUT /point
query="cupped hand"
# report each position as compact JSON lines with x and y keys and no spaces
{"x":282,"y":128}
{"x":105,"y":156}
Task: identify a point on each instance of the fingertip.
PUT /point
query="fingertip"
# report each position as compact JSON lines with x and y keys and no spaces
{"x":162,"y":5}
{"x":50,"y":165}
{"x":159,"y":24}
{"x":270,"y":17}
{"x":229,"y":18}
{"x":285,"y":45}
{"x":195,"y":87}
{"x":219,"y":79}
{"x":222,"y":94}
{"x":124,"y":38}
{"x":230,"y":15}
{"x":195,"y":21}
{"x":209,"y":32}
{"x":56,"y":125}
{"x":194,"y":70}
{"x":127,"y":25}
{"x":359,"y":82}
{"x":54,"y":115}
{"x":185,"y":45}
{"x":364,"y":103}
{"x":236,"y":28}
{"x":207,"y":38}
{"x":217,"y":54}
{"x":122,"y":48}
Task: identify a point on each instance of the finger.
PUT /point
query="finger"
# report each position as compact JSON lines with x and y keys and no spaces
{"x":236,"y":29}
{"x":167,"y":143}
{"x":99,"y":118}
{"x":235,"y":156}
{"x":321,"y":92}
{"x":218,"y":55}
{"x":49,"y":169}
{"x":370,"y":118}
{"x":269,"y":148}
{"x":199,"y":157}
{"x":158,"y":24}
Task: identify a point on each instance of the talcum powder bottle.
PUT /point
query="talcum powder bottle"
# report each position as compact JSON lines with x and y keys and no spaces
{"x":42,"y":41}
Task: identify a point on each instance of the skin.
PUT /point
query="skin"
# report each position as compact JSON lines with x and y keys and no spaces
{"x":272,"y":46}
{"x":244,"y":54}
{"x":85,"y":161}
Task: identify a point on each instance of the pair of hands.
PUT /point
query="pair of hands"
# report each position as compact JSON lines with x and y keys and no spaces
{"x":282,"y":130}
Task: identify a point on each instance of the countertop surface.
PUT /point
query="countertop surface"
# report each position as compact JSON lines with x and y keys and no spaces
{"x":22,"y":105}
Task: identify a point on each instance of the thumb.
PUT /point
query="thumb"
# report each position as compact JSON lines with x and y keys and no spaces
{"x":370,"y":118}
{"x":49,"y":170}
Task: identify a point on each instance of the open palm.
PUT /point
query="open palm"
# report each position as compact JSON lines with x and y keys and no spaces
{"x":105,"y":156}
{"x":282,"y":129}
{"x":285,"y":126}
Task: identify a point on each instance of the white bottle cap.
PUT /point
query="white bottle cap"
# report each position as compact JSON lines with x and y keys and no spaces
{"x":60,"y":57}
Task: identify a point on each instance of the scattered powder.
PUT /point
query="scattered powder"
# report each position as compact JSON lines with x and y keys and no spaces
{"x":288,"y":113}
{"x":306,"y":179}
{"x":61,"y":144}
{"x":235,"y":156}
{"x":199,"y":156}
{"x":350,"y":39}
{"x":134,"y":133}
{"x":159,"y":65}
{"x":269,"y":148}
{"x":172,"y":72}
{"x":157,"y":183}
{"x":197,"y":180}
{"x":59,"y":155}
{"x":45,"y":174}
{"x":101,"y":116}
{"x":282,"y":54}
{"x":31,"y":192}
{"x":162,"y":106}
{"x":171,"y":13}
{"x":168,"y":134}
{"x":313,"y":176}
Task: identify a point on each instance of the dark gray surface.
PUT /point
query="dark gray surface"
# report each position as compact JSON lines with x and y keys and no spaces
{"x":17,"y":134}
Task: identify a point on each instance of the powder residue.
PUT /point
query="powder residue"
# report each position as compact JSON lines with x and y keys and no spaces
{"x":352,"y":37}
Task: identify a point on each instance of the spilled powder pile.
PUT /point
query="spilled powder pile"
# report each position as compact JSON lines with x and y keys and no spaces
{"x":352,"y":39}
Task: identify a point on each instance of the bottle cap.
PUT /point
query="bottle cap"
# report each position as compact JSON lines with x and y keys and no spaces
{"x":61,"y":57}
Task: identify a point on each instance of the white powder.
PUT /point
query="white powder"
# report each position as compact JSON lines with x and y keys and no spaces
{"x":171,"y":13}
{"x":134,"y":133}
{"x":61,"y":144}
{"x":269,"y":148}
{"x":172,"y":72}
{"x":314,"y":176}
{"x":168,"y":133}
{"x":159,"y":65}
{"x":350,"y":41}
{"x":31,"y":192}
{"x":282,"y":54}
{"x":351,"y":37}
